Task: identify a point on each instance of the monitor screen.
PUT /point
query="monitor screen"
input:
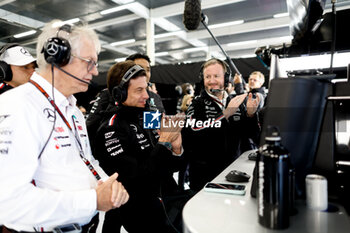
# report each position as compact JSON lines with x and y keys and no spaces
{"x":296,"y":106}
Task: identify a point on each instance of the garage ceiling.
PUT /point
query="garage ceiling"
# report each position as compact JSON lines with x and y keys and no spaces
{"x":239,"y":25}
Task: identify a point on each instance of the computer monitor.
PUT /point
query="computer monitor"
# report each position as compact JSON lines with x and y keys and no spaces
{"x":296,"y":106}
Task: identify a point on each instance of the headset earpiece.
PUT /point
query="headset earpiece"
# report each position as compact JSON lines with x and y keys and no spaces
{"x":227,"y":75}
{"x":5,"y":69}
{"x":120,"y":92}
{"x":57,"y":50}
{"x":5,"y":72}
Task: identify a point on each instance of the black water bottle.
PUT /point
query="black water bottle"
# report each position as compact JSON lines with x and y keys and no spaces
{"x":273,"y":182}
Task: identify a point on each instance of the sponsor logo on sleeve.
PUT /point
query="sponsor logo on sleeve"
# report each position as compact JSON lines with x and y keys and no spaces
{"x":207,"y":102}
{"x":117,"y":152}
{"x":111,"y":141}
{"x":140,"y":136}
{"x":109,"y":134}
{"x":133,"y":127}
{"x":114,"y":147}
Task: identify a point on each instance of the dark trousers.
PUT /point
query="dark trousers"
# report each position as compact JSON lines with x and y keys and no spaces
{"x":137,"y":217}
{"x":91,"y":227}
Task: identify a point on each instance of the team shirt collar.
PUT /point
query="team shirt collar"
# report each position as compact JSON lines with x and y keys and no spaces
{"x":60,"y":99}
{"x":217,"y":100}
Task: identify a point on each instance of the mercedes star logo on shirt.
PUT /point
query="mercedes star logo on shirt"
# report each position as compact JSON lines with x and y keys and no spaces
{"x":49,"y":114}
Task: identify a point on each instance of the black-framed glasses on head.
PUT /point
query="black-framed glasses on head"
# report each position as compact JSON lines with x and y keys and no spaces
{"x":91,"y":63}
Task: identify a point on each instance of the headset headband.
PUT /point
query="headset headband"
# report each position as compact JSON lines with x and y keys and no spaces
{"x":57,"y":49}
{"x":130,"y":73}
{"x":7,"y":46}
{"x":66,"y":27}
{"x":225,"y":66}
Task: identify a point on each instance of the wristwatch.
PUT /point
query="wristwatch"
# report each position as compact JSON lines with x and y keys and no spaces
{"x":167,"y":145}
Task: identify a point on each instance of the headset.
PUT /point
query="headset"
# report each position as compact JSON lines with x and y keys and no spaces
{"x":227,"y":75}
{"x":57,"y":50}
{"x":5,"y":69}
{"x":120,"y":92}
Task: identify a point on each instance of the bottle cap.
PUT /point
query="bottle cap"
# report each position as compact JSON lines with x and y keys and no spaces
{"x":273,"y":133}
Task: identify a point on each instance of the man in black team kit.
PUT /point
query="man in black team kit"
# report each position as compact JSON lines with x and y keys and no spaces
{"x":144,"y":158}
{"x":99,"y":107}
{"x":210,"y":149}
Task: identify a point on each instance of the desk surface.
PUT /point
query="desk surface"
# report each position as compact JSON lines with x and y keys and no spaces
{"x":216,"y":212}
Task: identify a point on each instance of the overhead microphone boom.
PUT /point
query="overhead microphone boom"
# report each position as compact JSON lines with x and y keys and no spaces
{"x":193,"y":16}
{"x":228,"y":59}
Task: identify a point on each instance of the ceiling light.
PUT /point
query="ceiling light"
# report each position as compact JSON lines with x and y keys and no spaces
{"x":70,"y":21}
{"x":135,"y":7}
{"x":197,"y":43}
{"x":123,"y":42}
{"x":220,"y":25}
{"x":122,"y":1}
{"x":161,"y":54}
{"x":247,"y":56}
{"x":114,"y":9}
{"x":166,"y":24}
{"x":177,"y":56}
{"x":242,"y":43}
{"x":169,"y":34}
{"x":190,"y":50}
{"x":281,"y":15}
{"x":120,"y":59}
{"x":187,"y":61}
{"x":23,"y":34}
{"x":4,"y":2}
